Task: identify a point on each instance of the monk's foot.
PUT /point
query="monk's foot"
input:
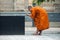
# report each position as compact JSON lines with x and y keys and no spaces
{"x":35,"y":34}
{"x":39,"y":34}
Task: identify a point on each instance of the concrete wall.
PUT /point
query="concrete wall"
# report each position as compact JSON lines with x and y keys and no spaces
{"x":10,"y":5}
{"x":6,"y":5}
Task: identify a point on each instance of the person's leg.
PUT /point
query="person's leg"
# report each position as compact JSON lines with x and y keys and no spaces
{"x":36,"y":33}
{"x":40,"y":32}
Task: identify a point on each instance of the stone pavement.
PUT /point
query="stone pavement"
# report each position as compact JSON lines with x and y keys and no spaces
{"x":31,"y":30}
{"x":51,"y":32}
{"x":22,"y":37}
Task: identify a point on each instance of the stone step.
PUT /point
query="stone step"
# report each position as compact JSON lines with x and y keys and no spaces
{"x":52,"y":24}
{"x":29,"y":30}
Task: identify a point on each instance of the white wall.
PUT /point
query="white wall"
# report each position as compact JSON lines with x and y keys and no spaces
{"x":6,"y":5}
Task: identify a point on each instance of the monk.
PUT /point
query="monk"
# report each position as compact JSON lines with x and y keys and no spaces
{"x":40,"y":18}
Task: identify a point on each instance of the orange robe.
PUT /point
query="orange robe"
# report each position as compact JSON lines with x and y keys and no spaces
{"x":40,"y":17}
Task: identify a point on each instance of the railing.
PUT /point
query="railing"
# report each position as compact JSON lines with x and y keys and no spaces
{"x":53,"y":17}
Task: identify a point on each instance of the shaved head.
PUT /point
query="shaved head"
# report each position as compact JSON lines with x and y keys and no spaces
{"x":29,"y":7}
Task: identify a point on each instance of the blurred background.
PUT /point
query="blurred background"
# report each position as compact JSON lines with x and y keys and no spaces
{"x":20,"y":5}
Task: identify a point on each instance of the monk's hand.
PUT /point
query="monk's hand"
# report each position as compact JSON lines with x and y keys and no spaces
{"x":27,"y":14}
